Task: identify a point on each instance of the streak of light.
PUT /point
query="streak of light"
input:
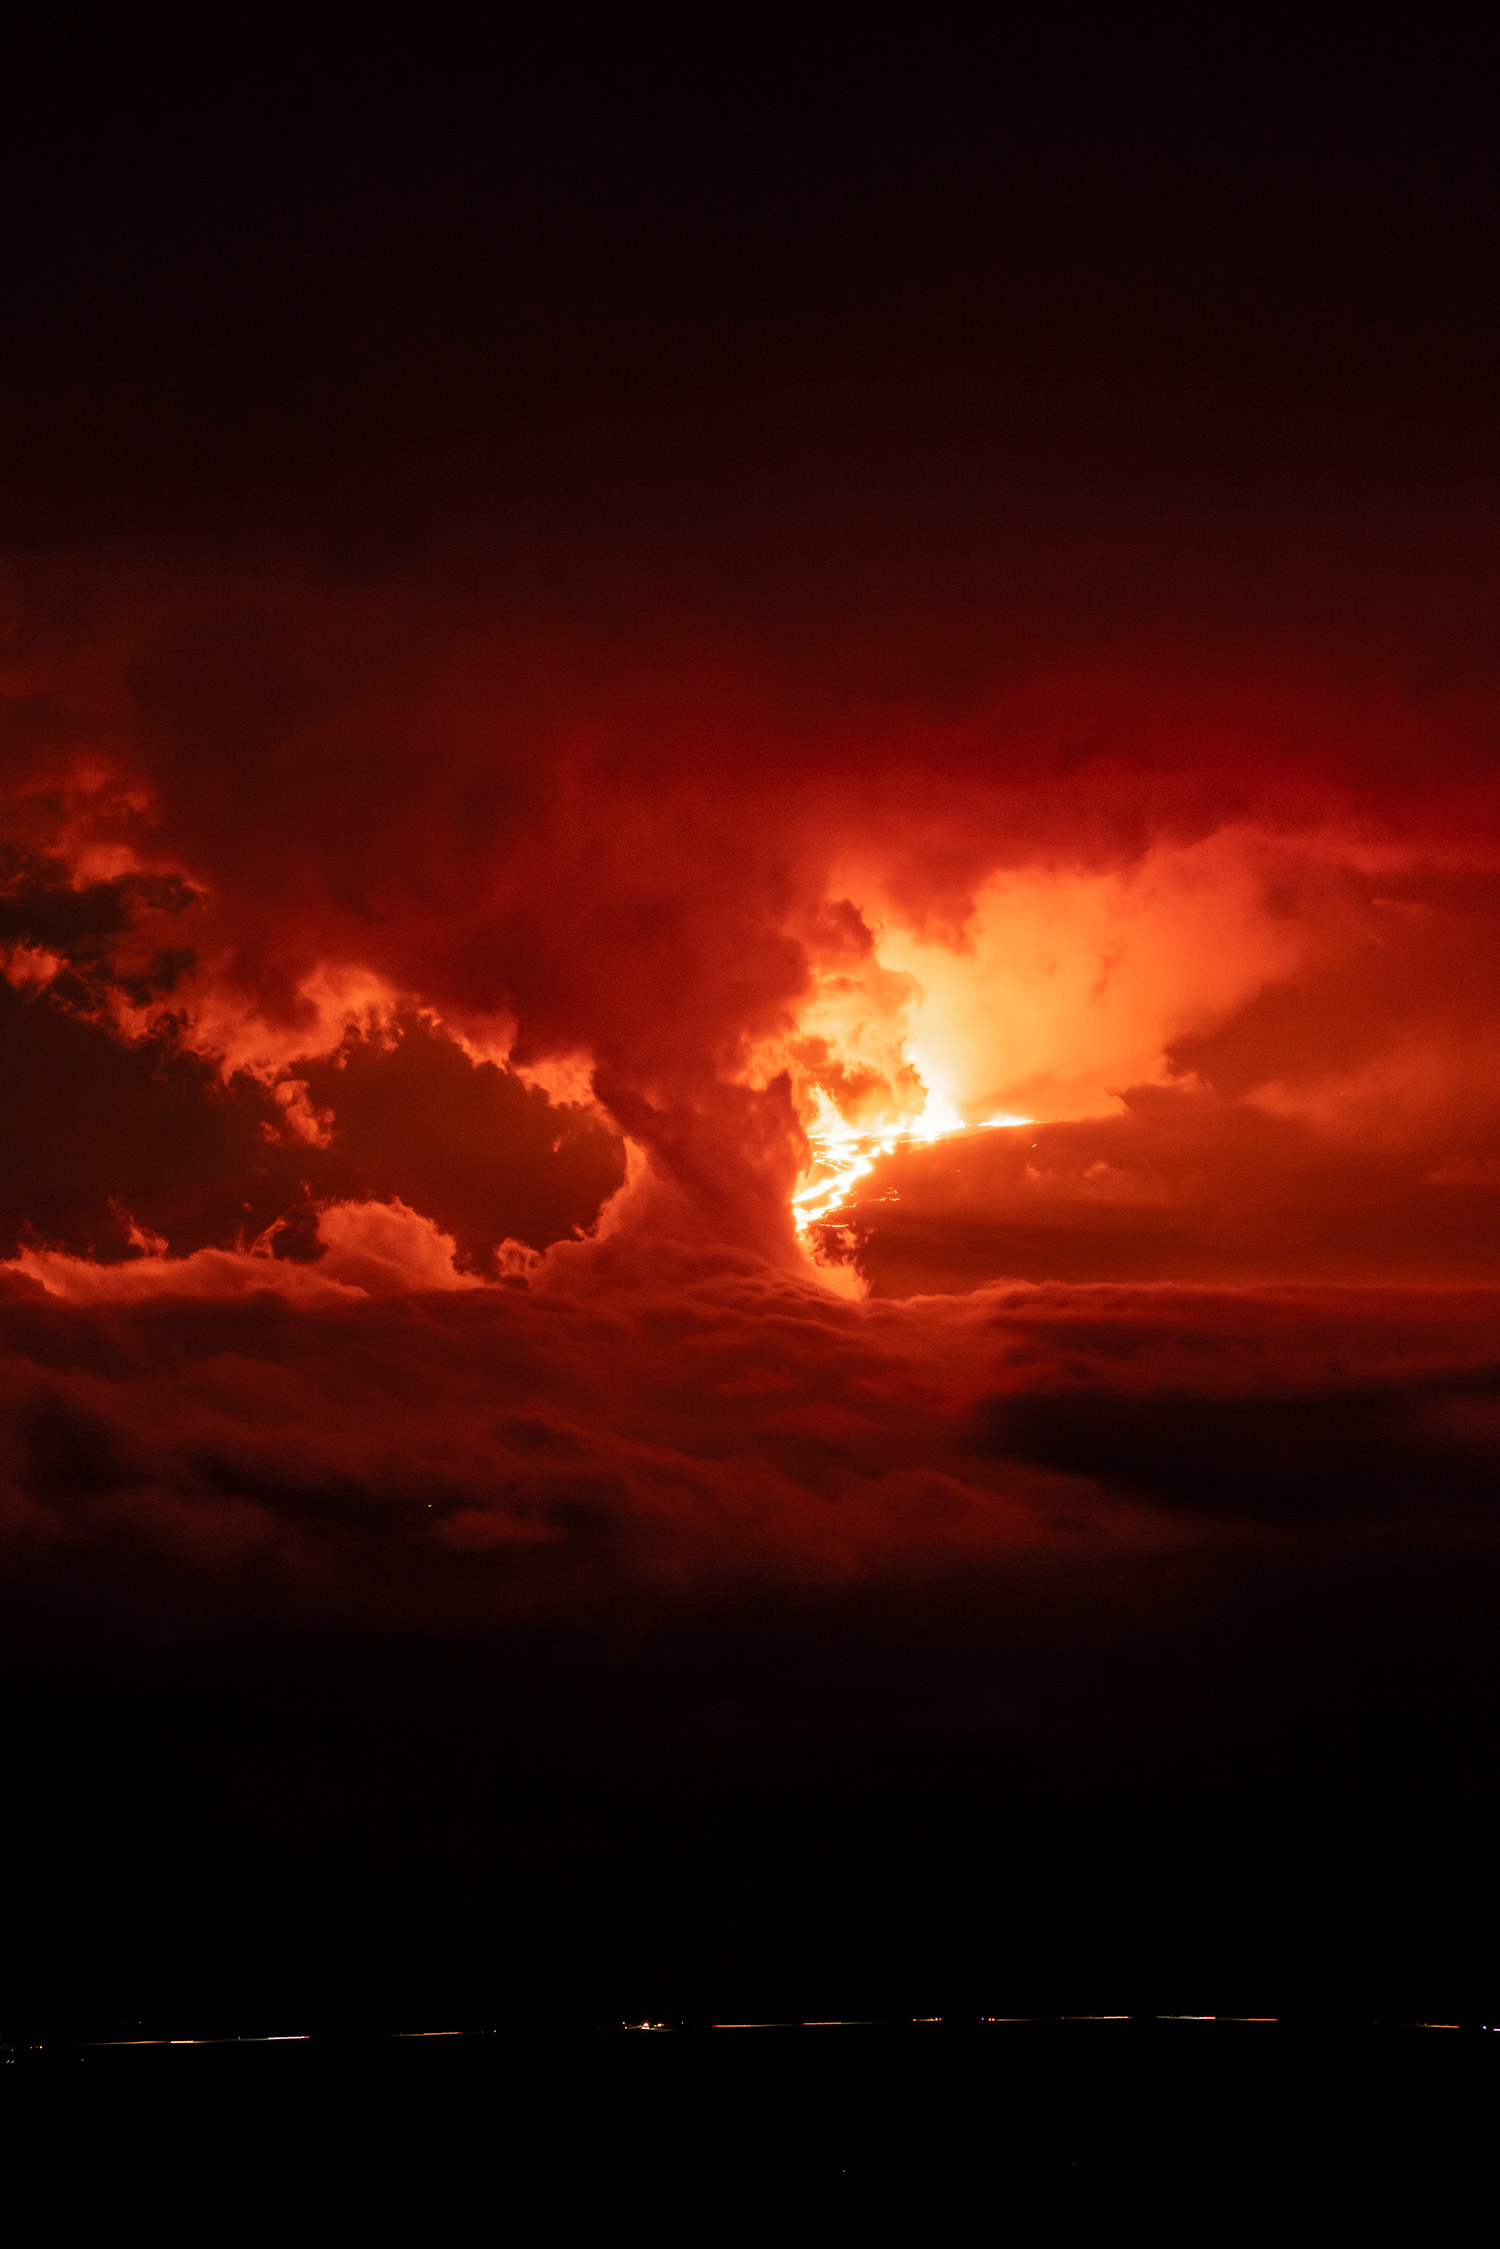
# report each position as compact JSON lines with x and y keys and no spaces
{"x":252,"y":2038}
{"x":841,"y":1154}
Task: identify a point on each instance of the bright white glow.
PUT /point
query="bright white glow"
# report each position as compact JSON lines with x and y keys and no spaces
{"x":841,"y":1154}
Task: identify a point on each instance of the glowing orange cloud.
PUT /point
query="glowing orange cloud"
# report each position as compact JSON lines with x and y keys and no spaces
{"x":1064,"y":985}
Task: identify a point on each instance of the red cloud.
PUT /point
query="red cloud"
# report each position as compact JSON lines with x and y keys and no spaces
{"x":345,"y":1440}
{"x":356,"y":943}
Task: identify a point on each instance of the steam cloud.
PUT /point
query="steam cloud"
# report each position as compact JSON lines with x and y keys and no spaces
{"x":351,"y":954}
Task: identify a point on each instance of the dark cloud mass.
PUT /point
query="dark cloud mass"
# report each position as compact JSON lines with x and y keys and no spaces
{"x":120,"y":1141}
{"x":666,"y":1423}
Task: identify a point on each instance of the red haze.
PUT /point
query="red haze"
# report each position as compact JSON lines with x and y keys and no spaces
{"x":593,"y":627}
{"x":342,"y":906}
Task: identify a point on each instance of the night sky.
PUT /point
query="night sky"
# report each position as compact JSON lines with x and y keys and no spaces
{"x":605,"y":627}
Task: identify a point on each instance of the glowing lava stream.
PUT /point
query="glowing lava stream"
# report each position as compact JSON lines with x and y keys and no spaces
{"x":842,"y":1154}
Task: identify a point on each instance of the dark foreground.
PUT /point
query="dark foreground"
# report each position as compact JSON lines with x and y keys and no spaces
{"x":995,"y":2122}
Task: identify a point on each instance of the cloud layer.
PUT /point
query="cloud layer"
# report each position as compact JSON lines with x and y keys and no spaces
{"x":415,"y":1018}
{"x":380,"y":1437}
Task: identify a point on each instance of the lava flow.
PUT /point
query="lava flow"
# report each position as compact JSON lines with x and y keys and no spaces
{"x":841,"y":1153}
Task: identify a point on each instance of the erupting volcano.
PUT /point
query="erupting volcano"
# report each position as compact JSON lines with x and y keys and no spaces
{"x":841,"y":1155}
{"x":749,"y":963}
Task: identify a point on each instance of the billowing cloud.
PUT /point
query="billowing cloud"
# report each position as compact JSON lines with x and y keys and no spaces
{"x":378,"y":1435}
{"x":417,"y":1020}
{"x":288,"y":831}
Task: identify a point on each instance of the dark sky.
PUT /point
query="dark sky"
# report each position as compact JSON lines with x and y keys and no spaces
{"x":582,"y":604}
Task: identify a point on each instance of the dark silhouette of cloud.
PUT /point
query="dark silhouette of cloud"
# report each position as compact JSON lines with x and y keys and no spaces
{"x":379,"y":1436}
{"x":1395,"y":1448}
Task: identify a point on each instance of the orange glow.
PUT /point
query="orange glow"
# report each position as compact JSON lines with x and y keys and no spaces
{"x":1065,"y":982}
{"x":841,"y":1155}
{"x":1062,"y":986}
